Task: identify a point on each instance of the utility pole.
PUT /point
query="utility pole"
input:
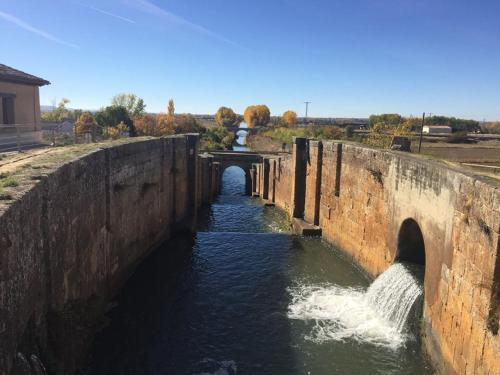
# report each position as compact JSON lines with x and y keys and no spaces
{"x":421,"y":133}
{"x":307,"y":109}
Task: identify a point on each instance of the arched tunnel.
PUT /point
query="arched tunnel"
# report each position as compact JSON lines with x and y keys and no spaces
{"x":411,"y":246}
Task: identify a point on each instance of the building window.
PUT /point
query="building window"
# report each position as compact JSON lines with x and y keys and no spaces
{"x":8,"y":110}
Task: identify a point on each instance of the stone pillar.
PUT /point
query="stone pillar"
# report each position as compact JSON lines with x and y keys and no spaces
{"x":192,"y":148}
{"x":313,"y":182}
{"x":299,"y":160}
{"x":265,"y":178}
{"x":248,"y":182}
{"x":206,"y":179}
{"x":253,"y":176}
{"x":215,"y":179}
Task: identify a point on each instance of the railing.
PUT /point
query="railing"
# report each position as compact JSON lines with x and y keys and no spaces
{"x":18,"y":137}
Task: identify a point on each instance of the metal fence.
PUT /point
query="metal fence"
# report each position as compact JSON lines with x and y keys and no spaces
{"x":20,"y":137}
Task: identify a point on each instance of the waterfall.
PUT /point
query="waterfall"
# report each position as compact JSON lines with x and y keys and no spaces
{"x":378,"y":315}
{"x":394,"y":294}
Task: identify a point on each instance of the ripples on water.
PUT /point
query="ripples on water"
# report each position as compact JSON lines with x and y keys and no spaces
{"x":240,"y":298}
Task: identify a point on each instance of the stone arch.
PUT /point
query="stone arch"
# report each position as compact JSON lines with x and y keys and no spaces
{"x":411,"y":245}
{"x":246,"y":167}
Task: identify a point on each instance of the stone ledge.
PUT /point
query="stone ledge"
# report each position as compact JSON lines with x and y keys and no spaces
{"x":304,"y":228}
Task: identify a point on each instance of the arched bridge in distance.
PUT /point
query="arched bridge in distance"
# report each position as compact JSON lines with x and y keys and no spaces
{"x":243,"y":159}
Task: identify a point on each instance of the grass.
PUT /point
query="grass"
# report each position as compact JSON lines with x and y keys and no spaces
{"x":4,"y":196}
{"x":8,"y":181}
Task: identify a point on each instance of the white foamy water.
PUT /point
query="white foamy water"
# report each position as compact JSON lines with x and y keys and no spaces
{"x":377,"y":316}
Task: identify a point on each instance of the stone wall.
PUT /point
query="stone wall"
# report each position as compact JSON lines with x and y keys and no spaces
{"x":77,"y":232}
{"x":365,"y":195}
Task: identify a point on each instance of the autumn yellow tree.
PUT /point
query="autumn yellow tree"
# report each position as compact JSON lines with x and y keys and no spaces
{"x":186,"y":123}
{"x":290,"y":118}
{"x":171,"y":115}
{"x":86,"y":124}
{"x":257,"y":115}
{"x":147,"y":125}
{"x":226,"y":117}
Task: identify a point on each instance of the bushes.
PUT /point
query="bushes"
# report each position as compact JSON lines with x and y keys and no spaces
{"x":113,"y":116}
{"x":217,"y":139}
{"x":317,"y":132}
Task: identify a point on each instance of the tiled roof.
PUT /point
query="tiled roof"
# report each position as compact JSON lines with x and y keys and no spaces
{"x":8,"y":74}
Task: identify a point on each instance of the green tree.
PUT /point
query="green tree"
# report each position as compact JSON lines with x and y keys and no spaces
{"x":349,"y":131}
{"x":257,"y":115}
{"x":388,"y":119}
{"x":132,"y":103}
{"x":61,"y":113}
{"x":113,"y":116}
{"x":226,"y":117}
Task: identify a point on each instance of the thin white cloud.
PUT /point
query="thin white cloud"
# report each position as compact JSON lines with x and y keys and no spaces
{"x":108,"y":13}
{"x":26,"y":26}
{"x":150,"y":8}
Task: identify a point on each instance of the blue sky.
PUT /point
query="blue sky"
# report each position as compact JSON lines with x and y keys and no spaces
{"x":348,"y":57}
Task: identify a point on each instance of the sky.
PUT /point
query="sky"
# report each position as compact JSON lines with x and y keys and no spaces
{"x":350,"y":58}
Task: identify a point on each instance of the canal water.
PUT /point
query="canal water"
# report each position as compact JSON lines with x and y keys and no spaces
{"x":244,"y":296}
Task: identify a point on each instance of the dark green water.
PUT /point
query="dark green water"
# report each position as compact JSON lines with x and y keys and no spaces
{"x":242,"y":296}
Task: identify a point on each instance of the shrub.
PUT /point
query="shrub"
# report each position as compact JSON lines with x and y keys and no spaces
{"x":349,"y":131}
{"x":9,"y":181}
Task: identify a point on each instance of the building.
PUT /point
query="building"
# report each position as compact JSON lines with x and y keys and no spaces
{"x":20,"y":99}
{"x":436,"y":129}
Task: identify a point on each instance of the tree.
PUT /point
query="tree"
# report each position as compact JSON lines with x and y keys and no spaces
{"x":226,"y":117}
{"x":257,"y":115}
{"x":290,"y":118}
{"x":114,"y":115}
{"x":349,"y":131}
{"x":186,"y":124}
{"x":134,"y":105}
{"x":61,"y":113}
{"x":386,"y":119}
{"x":86,"y":124}
{"x":151,"y":125}
{"x":171,"y":114}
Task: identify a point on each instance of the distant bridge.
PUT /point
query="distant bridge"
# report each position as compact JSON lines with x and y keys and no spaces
{"x":242,"y":159}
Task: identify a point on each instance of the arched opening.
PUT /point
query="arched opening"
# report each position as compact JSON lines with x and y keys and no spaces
{"x":234,"y":181}
{"x":241,"y":137}
{"x":411,"y":252}
{"x":411,"y":246}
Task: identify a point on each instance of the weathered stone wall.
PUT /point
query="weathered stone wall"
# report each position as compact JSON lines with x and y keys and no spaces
{"x":313,"y":182}
{"x":283,"y":182}
{"x":69,"y":242}
{"x":365,"y":196}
